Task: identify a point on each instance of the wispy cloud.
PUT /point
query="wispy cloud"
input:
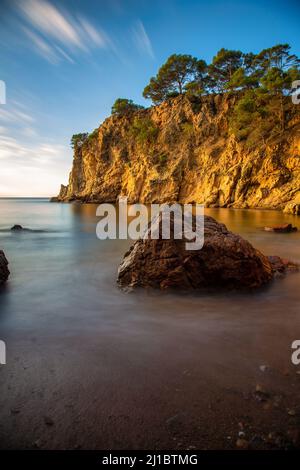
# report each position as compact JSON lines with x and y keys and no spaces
{"x":97,"y":37}
{"x":12,"y":148}
{"x":41,"y":46}
{"x":141,"y":39}
{"x":56,"y":34}
{"x":15,"y":115}
{"x":48,"y":19}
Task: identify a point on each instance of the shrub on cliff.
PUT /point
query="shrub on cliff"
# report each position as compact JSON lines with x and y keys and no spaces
{"x":143,"y":130}
{"x":124,"y":106}
{"x":93,"y":135}
{"x":77,"y":140}
{"x":259,"y":116}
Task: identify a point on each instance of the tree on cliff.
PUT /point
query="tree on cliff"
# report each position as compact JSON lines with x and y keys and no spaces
{"x":273,"y":70}
{"x":278,"y":56}
{"x":223,"y":66}
{"x":247,"y":76}
{"x":279,"y":69}
{"x":77,"y":140}
{"x":202,"y":81}
{"x":173,"y":76}
{"x":124,"y":106}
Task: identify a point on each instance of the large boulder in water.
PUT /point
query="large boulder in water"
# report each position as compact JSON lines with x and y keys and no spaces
{"x":4,"y":272}
{"x":226,"y":261}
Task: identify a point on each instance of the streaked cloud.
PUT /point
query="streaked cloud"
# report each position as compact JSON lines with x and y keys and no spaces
{"x":12,"y":148}
{"x":16,"y":119}
{"x":58,"y":35}
{"x":141,"y":39}
{"x":15,"y":115}
{"x":97,"y":37}
{"x":44,"y":49}
{"x":48,"y":19}
{"x":64,"y":54}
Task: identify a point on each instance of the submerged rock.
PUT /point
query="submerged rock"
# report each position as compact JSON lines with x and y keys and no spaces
{"x":4,"y":272}
{"x":282,"y":265}
{"x":284,"y":228}
{"x":226,"y":261}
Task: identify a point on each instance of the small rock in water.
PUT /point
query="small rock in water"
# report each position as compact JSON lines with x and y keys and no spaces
{"x":284,"y":228}
{"x":282,"y":265}
{"x":16,"y":228}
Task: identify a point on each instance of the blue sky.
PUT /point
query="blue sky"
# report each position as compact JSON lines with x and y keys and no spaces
{"x":64,"y":63}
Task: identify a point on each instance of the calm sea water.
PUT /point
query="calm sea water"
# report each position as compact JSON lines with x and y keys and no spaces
{"x":82,"y":351}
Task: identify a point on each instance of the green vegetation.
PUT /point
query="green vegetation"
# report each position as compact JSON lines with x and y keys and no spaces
{"x":124,"y":106}
{"x":259,"y":82}
{"x":173,"y":77}
{"x":187,"y":128}
{"x":93,"y":135}
{"x":260,"y":110}
{"x":144,"y":130}
{"x":78,"y":140}
{"x":162,"y":160}
{"x":230,"y":71}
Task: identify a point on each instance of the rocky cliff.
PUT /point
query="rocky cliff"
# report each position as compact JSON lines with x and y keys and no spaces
{"x":183,"y":150}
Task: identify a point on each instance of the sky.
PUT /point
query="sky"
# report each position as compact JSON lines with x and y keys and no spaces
{"x":65,"y":62}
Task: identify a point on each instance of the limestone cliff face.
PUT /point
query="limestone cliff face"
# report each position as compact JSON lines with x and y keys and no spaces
{"x":193,"y":158}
